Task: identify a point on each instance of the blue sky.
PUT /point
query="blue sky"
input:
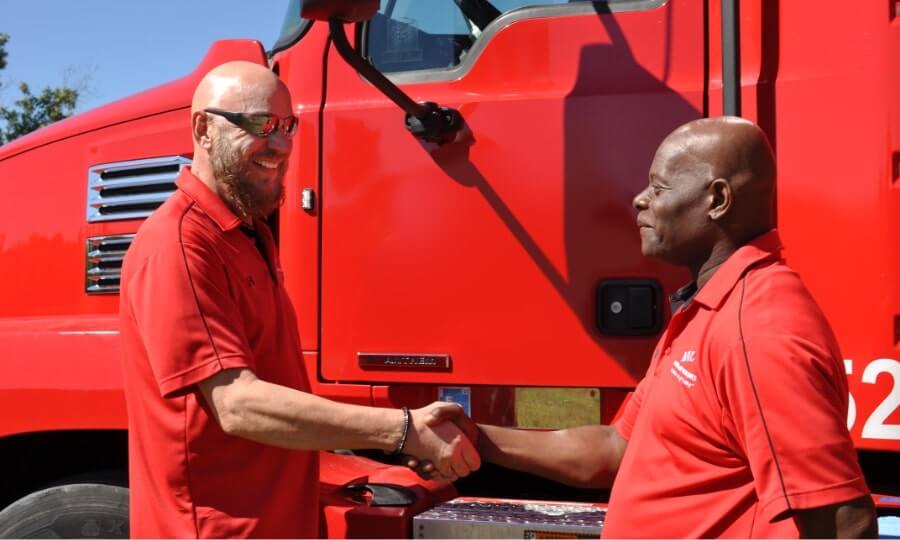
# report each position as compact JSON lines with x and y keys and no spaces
{"x":118,"y":47}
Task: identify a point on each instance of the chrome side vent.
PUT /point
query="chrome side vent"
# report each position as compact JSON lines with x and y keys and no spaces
{"x":131,"y":189}
{"x":104,"y":262}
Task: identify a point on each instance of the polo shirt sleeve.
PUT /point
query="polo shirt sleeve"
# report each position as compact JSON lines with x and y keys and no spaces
{"x":187,"y":320}
{"x":785,"y":406}
{"x":625,"y":420}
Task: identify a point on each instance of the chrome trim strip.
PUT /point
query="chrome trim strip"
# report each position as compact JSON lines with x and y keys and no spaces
{"x":90,"y":333}
{"x":121,"y":239}
{"x":96,"y":257}
{"x":136,"y":181}
{"x":143,"y":198}
{"x":103,"y":289}
{"x":103,"y":263}
{"x":508,"y":18}
{"x":128,"y":175}
{"x":95,"y":274}
{"x":120,"y":166}
{"x":113,"y":240}
{"x":122,"y":216}
{"x":404,"y":361}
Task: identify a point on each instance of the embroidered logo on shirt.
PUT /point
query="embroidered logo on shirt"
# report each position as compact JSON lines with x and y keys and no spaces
{"x":250,"y":281}
{"x":682,"y":373}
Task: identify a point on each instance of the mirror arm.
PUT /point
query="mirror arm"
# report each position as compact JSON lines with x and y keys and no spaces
{"x":480,"y":12}
{"x":369,"y":72}
{"x":425,"y":120}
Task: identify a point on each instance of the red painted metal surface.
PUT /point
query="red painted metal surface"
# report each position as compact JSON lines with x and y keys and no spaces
{"x":490,"y":249}
{"x":301,"y":67}
{"x":886,"y":501}
{"x":348,"y":514}
{"x":837,"y":206}
{"x":60,"y":373}
{"x":828,"y":102}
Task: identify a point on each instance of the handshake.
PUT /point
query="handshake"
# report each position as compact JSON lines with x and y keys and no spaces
{"x":441,"y":442}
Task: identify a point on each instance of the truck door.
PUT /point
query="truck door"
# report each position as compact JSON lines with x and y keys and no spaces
{"x":503,"y":257}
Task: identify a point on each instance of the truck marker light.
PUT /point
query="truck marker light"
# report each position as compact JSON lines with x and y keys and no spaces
{"x":308,"y":199}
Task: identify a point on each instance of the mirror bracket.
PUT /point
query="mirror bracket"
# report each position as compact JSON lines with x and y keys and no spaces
{"x":438,"y":125}
{"x":428,"y":120}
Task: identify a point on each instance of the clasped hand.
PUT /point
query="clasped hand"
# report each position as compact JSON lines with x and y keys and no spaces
{"x":441,"y":442}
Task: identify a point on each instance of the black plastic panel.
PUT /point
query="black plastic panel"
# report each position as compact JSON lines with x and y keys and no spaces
{"x":629,"y":307}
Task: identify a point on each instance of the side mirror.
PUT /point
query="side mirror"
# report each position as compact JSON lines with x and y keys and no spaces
{"x":342,"y":10}
{"x":427,"y":121}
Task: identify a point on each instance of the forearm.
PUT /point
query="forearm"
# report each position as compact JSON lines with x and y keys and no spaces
{"x":248,"y":407}
{"x":281,"y":416}
{"x":852,"y":519}
{"x":586,"y":456}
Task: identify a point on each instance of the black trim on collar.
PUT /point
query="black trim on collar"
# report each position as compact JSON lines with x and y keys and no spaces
{"x":683,"y":296}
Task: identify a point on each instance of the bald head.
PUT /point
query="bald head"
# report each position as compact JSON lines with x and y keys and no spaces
{"x":235,"y":86}
{"x":243,"y":164}
{"x":712,"y":184}
{"x":737,"y":151}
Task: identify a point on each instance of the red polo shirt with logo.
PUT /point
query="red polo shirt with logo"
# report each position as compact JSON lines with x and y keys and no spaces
{"x":741,"y":417}
{"x":198,"y":297}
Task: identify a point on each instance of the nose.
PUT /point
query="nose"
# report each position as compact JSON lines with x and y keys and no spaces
{"x":640,"y":200}
{"x":279,"y":142}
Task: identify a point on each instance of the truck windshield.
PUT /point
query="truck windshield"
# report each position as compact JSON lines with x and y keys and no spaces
{"x":292,"y":29}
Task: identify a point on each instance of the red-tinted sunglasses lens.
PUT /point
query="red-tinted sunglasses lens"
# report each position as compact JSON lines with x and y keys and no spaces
{"x":270,"y":123}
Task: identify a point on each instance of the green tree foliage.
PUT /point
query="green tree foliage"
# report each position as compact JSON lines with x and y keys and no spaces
{"x":3,"y":39}
{"x":32,"y":111}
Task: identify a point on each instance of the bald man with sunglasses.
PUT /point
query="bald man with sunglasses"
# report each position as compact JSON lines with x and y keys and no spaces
{"x":223,"y":429}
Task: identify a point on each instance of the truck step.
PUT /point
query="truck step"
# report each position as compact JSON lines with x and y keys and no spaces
{"x":477,"y":517}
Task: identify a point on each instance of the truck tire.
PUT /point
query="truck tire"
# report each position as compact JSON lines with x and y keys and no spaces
{"x":68,"y":511}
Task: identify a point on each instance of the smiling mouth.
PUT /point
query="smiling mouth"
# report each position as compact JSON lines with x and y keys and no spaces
{"x":266,"y":164}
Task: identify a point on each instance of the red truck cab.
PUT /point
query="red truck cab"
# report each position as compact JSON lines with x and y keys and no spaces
{"x":499,"y":267}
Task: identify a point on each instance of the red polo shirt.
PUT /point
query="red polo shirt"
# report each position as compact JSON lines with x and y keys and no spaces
{"x":741,"y":417}
{"x":197,"y":298}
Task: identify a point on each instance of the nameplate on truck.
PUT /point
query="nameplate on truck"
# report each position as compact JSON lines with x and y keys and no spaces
{"x":404,"y":362}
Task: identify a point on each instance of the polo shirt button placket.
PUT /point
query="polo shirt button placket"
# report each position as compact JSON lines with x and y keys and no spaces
{"x":663,"y":351}
{"x":674,"y":328}
{"x":676,"y":325}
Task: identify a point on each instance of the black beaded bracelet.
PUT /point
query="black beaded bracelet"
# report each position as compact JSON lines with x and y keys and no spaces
{"x":407,"y":420}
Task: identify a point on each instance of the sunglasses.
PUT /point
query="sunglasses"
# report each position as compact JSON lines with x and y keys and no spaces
{"x":259,"y":124}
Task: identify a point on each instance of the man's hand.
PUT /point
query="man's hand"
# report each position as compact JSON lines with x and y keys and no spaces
{"x":585,"y":456}
{"x":448,"y":413}
{"x":434,"y":437}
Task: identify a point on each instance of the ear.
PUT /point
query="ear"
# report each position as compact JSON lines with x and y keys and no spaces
{"x":200,"y":129}
{"x":721,"y":197}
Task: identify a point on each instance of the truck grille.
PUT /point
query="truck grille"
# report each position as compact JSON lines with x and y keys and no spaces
{"x":131,"y":189}
{"x":104,"y":262}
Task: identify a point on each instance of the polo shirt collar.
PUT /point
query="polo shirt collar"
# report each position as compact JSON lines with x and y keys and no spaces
{"x":208,"y":201}
{"x":763,"y":247}
{"x":683,"y":296}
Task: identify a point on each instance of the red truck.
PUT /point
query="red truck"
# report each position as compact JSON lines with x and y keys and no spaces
{"x":476,"y":243}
